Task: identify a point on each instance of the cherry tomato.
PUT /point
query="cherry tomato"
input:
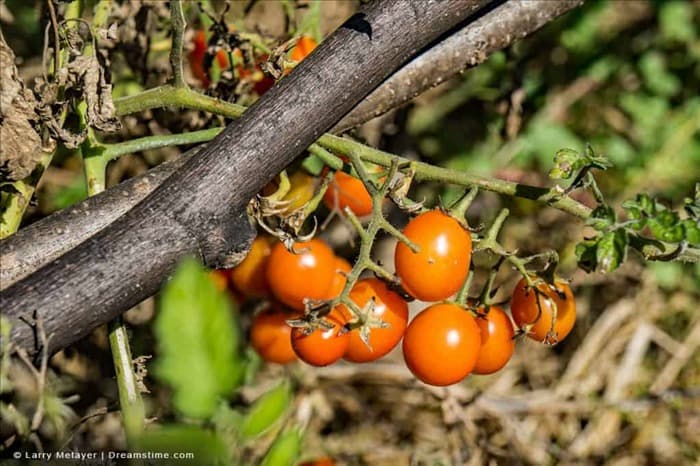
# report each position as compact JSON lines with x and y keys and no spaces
{"x":270,"y":336}
{"x":342,"y":268}
{"x":497,"y":343}
{"x":196,"y":57}
{"x":322,"y":346}
{"x":325,"y":461}
{"x":309,"y":274}
{"x":220,"y":278}
{"x":525,"y":310}
{"x":389,"y":308}
{"x":250,"y":276}
{"x":441,"y":344}
{"x":305,"y":45}
{"x":439,"y":269}
{"x":350,"y":192}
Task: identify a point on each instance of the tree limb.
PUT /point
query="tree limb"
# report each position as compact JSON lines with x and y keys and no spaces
{"x":495,"y":29}
{"x":43,"y":241}
{"x":197,"y":210}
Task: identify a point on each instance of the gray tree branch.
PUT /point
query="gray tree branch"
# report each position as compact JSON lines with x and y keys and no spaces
{"x":495,"y":29}
{"x":40,"y":243}
{"x":197,"y":210}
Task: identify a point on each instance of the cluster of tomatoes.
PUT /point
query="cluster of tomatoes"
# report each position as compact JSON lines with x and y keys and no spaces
{"x":443,"y":343}
{"x":204,"y":57}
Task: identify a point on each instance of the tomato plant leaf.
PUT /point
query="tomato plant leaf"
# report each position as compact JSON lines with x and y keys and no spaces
{"x":266,"y":411}
{"x":204,"y":446}
{"x":198,"y":342}
{"x":611,"y":250}
{"x":285,"y":450}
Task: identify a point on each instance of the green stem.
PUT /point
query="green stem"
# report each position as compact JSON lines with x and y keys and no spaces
{"x":130,"y":402}
{"x":168,"y":96}
{"x":114,"y":151}
{"x":177,"y":18}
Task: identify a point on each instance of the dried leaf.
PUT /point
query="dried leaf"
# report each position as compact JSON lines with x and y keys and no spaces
{"x":20,"y":151}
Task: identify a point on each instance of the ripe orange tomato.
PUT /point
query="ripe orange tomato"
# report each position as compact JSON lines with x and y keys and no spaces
{"x":389,"y":308}
{"x":525,"y":310}
{"x":305,"y":45}
{"x":342,"y":268}
{"x":439,"y":269}
{"x":349,"y":192}
{"x":322,"y":346}
{"x":196,"y":57}
{"x":497,"y":343}
{"x":250,"y":276}
{"x":270,"y":336}
{"x":309,"y":274}
{"x":441,"y":344}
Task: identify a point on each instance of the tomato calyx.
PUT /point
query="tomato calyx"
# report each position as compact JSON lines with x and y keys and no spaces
{"x":315,"y":317}
{"x":365,"y":320}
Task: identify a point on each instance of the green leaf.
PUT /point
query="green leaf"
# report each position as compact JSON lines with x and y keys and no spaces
{"x":285,"y":450}
{"x":611,"y":250}
{"x":205,"y":447}
{"x":657,"y":78}
{"x":676,"y":21}
{"x":198,"y":342}
{"x":602,"y":217}
{"x":266,"y":411}
{"x":313,"y":165}
{"x":692,"y":231}
{"x":586,"y":255}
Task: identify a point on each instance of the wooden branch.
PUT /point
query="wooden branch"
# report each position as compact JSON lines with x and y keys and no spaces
{"x":496,"y":28}
{"x":197,"y":210}
{"x":40,"y":243}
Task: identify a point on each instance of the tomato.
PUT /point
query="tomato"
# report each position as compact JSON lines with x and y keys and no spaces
{"x":250,"y":276}
{"x":322,"y":346}
{"x":497,"y":343}
{"x":342,"y":268}
{"x":325,"y":461}
{"x":525,"y":310}
{"x":441,"y":344}
{"x":196,"y":57}
{"x":220,"y":278}
{"x":305,"y":45}
{"x":389,"y":308}
{"x":270,"y":336}
{"x":350,"y":192}
{"x":441,"y":266}
{"x":309,"y":274}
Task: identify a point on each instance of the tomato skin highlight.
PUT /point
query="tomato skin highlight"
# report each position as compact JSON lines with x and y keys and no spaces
{"x":497,"y":344}
{"x":309,"y":274}
{"x":270,"y":336}
{"x":250,"y":276}
{"x":441,"y":344}
{"x":388,"y":307}
{"x":322,"y":346}
{"x":350,"y":192}
{"x":342,"y":268}
{"x":525,"y":311}
{"x":441,"y":266}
